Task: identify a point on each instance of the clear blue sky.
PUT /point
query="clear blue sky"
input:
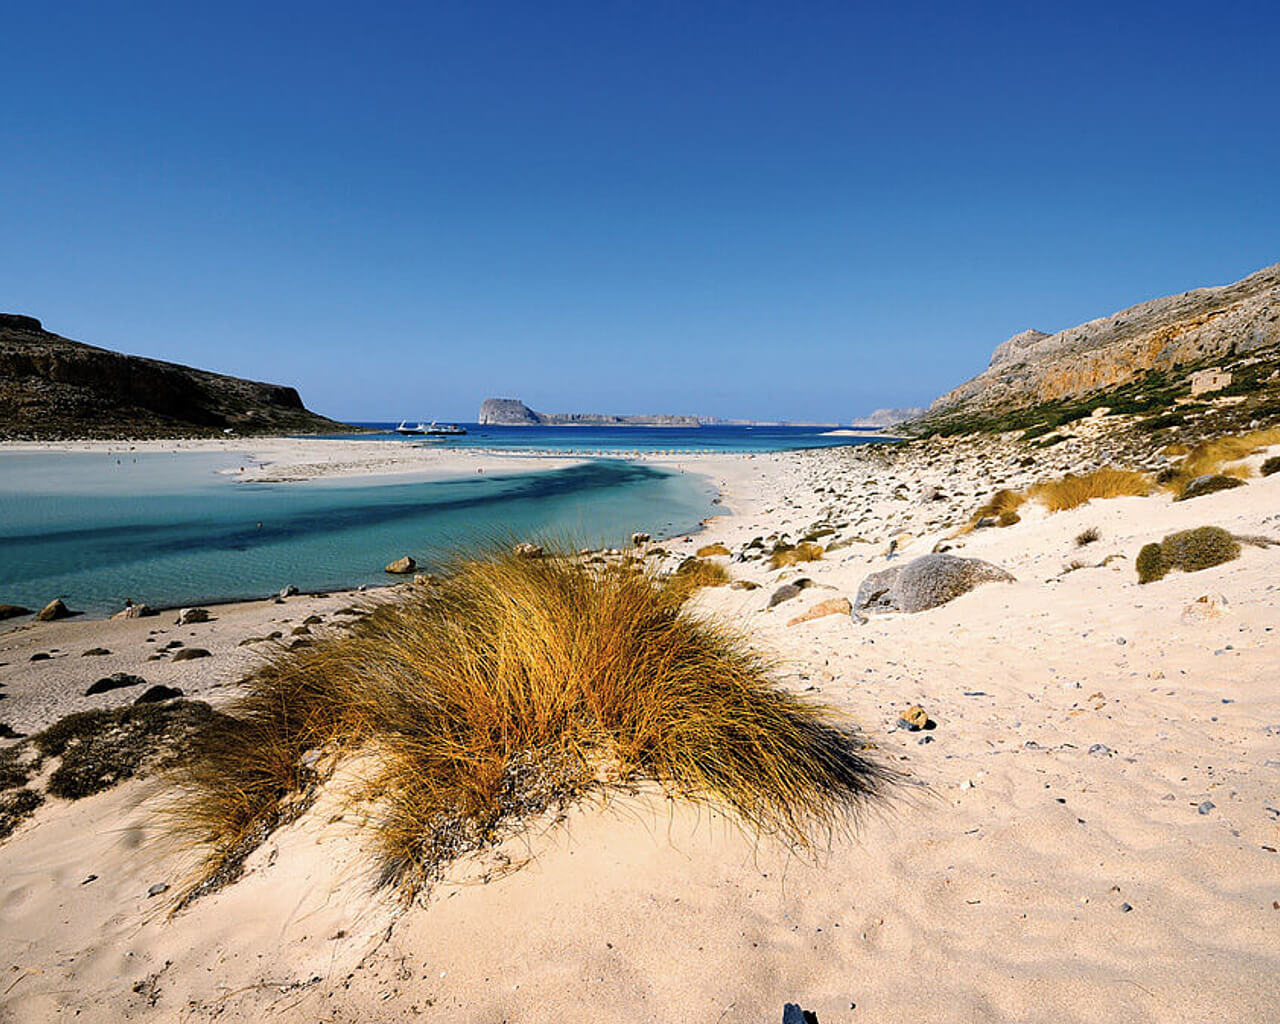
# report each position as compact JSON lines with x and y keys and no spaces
{"x":772,"y":210}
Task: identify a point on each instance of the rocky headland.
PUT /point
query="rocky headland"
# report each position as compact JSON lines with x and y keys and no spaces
{"x":53,"y":388}
{"x":1222,"y":341}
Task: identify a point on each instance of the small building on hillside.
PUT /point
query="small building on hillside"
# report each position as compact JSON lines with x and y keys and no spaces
{"x":1213,"y":379}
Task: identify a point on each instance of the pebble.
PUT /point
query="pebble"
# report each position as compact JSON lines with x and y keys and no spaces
{"x":1101,"y":750}
{"x":157,"y":889}
{"x":1125,"y":908}
{"x":1206,"y":807}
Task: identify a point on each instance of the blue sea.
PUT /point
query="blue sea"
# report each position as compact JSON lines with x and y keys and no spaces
{"x":620,"y":440}
{"x":175,"y":529}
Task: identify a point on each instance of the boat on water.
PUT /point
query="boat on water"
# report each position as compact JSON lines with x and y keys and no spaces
{"x":432,"y":429}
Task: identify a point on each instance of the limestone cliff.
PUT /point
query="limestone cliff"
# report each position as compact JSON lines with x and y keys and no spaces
{"x":511,"y":412}
{"x":1162,"y":335}
{"x":52,"y":387}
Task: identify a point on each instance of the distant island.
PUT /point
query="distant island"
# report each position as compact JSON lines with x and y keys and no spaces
{"x":511,"y":412}
{"x":53,"y":388}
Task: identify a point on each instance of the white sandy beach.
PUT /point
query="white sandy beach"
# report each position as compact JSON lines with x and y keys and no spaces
{"x":1089,"y":833}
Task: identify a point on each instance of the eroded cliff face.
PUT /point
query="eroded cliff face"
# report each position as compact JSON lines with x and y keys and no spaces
{"x":1162,"y":335}
{"x":53,"y":387}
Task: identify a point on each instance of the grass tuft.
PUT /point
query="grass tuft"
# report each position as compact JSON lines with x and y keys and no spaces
{"x":1071,"y":491}
{"x":1214,"y":457}
{"x":784,"y":555}
{"x":1089,"y":536}
{"x":693,"y":575}
{"x":513,"y":687}
{"x":711,"y":550}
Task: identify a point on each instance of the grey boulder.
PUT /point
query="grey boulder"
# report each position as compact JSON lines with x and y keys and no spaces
{"x":924,"y":583}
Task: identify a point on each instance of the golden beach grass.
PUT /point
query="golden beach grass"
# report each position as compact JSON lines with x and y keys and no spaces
{"x":513,"y":686}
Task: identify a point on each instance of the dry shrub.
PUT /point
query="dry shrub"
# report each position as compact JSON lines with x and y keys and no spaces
{"x":1003,"y":505}
{"x":694,"y":574}
{"x":1213,"y":457}
{"x":805,"y":551}
{"x":1071,"y":491}
{"x":1088,"y":536}
{"x":514,"y":686}
{"x":711,"y":550}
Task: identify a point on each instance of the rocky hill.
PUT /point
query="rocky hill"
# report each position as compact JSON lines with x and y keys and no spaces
{"x":54,"y":388}
{"x":1163,"y":339}
{"x":511,"y":412}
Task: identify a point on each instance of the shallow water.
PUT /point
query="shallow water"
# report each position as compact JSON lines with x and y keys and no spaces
{"x":595,"y":440}
{"x":170,"y":529}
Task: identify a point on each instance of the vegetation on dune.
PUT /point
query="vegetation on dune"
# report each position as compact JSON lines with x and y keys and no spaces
{"x":694,"y":574}
{"x":1188,"y":551}
{"x":1271,"y":466}
{"x":711,"y":550}
{"x":1215,"y":457}
{"x":514,"y":686}
{"x":1088,"y":536}
{"x":1063,"y":493}
{"x":786,"y":554}
{"x":1073,"y":490}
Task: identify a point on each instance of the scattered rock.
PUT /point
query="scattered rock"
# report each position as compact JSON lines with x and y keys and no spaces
{"x":115,"y":681}
{"x":744,"y":585}
{"x":191,"y":653}
{"x":1205,"y":607}
{"x":787,"y":591}
{"x":134,"y":611}
{"x":40,"y":656}
{"x":158,"y":693}
{"x":95,"y":652}
{"x":12,"y":611}
{"x":831,"y":606}
{"x":1125,"y":908}
{"x":289,"y":591}
{"x":527,"y":550}
{"x":1205,"y":807}
{"x":640,"y":539}
{"x":1101,"y":750}
{"x":190,"y":616}
{"x":402,"y":566}
{"x":925,"y":582}
{"x":157,"y":889}
{"x":914,"y":719}
{"x":55,"y":609}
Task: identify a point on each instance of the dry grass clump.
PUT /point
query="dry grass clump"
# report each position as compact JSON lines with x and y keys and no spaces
{"x":514,"y":686}
{"x":694,"y":574}
{"x":784,"y":555}
{"x":1214,"y":457}
{"x":1089,"y":536}
{"x":1071,"y":491}
{"x":1067,"y":492}
{"x":1271,"y":466}
{"x":711,"y":550}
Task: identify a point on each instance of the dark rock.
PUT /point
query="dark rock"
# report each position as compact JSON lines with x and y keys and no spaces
{"x":787,"y":591}
{"x":55,"y":609}
{"x":158,"y":693}
{"x":289,"y":591}
{"x":115,"y":681}
{"x":40,"y":656}
{"x":12,"y":611}
{"x":191,"y":653}
{"x":94,"y":652}
{"x":1206,"y":807}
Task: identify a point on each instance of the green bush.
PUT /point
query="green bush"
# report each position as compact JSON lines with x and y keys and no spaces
{"x":1188,"y":551}
{"x":1150,"y":564}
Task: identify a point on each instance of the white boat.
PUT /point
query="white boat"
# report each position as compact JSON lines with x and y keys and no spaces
{"x":432,"y":429}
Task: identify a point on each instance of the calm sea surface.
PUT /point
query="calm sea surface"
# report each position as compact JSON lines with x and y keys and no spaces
{"x":173,"y":529}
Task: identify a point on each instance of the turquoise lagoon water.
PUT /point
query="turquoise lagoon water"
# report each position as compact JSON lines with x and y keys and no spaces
{"x":171,"y":530}
{"x":593,"y":440}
